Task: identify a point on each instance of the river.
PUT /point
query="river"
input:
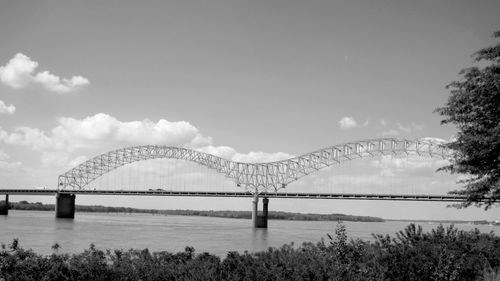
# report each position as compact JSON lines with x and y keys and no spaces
{"x":39,"y":230}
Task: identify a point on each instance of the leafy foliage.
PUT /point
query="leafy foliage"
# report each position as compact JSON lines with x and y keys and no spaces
{"x":442,"y":254}
{"x":474,"y":107}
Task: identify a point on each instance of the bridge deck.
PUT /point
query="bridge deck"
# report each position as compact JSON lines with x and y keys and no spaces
{"x":353,"y":196}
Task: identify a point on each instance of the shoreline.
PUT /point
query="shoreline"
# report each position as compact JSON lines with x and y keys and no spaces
{"x":272,"y":215}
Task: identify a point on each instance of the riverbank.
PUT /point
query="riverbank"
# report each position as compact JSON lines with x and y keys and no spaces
{"x":441,"y":254}
{"x":24,"y":205}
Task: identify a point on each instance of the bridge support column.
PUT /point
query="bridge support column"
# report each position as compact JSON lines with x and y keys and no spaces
{"x":255,"y":210}
{"x":4,"y":206}
{"x":259,"y":221}
{"x":262,"y":221}
{"x":65,"y":206}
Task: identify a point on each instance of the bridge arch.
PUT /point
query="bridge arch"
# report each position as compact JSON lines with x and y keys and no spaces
{"x":256,"y":177}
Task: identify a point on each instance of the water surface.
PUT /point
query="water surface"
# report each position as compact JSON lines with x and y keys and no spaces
{"x":39,"y":230}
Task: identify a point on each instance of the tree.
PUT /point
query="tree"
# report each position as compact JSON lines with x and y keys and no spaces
{"x":474,"y":107}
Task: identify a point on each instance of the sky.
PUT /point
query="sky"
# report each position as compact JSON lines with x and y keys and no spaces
{"x":248,"y":80}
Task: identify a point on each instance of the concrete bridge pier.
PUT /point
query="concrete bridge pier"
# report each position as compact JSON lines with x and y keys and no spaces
{"x":263,"y":218}
{"x":65,"y":206}
{"x":255,"y":210}
{"x":4,"y":206}
{"x":259,"y":221}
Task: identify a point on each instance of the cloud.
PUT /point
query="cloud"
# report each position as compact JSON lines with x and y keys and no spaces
{"x":383,"y":122}
{"x":31,"y":137}
{"x":8,"y":166}
{"x":58,"y":85}
{"x":106,"y":132}
{"x":406,"y":129}
{"x":347,"y":123}
{"x":7,"y":109}
{"x":103,"y":127}
{"x":19,"y":72}
{"x":230,"y":153}
{"x":78,"y":160}
{"x":225,"y":152}
{"x":60,"y":159}
{"x":410,"y":166}
{"x":432,"y":139}
{"x":54,"y":158}
{"x":410,"y":128}
{"x":257,"y":157}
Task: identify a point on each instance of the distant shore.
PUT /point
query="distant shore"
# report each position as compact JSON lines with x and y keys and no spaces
{"x":24,"y":205}
{"x":273,"y":215}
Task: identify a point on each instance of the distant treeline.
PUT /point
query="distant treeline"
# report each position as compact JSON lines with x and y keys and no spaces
{"x":24,"y":205}
{"x":444,"y":254}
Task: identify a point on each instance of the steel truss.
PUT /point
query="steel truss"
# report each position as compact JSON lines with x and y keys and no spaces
{"x":255,"y":177}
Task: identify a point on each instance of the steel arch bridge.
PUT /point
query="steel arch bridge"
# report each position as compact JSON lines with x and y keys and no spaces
{"x":255,"y":177}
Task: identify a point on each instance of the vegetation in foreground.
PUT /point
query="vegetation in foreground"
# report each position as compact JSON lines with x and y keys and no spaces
{"x":442,"y":254}
{"x":25,"y":205}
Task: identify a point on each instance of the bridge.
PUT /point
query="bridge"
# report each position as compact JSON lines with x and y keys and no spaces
{"x":353,"y":196}
{"x":256,"y":180}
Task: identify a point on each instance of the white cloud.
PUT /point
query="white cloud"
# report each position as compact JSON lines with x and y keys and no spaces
{"x":438,"y":140}
{"x":105,"y":132}
{"x":58,"y":85}
{"x":383,"y":122}
{"x":258,"y":157}
{"x":78,"y":160}
{"x":31,"y":137}
{"x":54,"y":158}
{"x":8,"y":166}
{"x":60,"y":159}
{"x":225,"y":152}
{"x":347,"y":123}
{"x":7,"y":109}
{"x":101,"y":129}
{"x":19,"y":72}
{"x":230,"y":153}
{"x":406,"y":129}
{"x":410,"y":128}
{"x":411,"y":166}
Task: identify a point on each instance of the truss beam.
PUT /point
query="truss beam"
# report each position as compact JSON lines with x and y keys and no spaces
{"x":255,"y":177}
